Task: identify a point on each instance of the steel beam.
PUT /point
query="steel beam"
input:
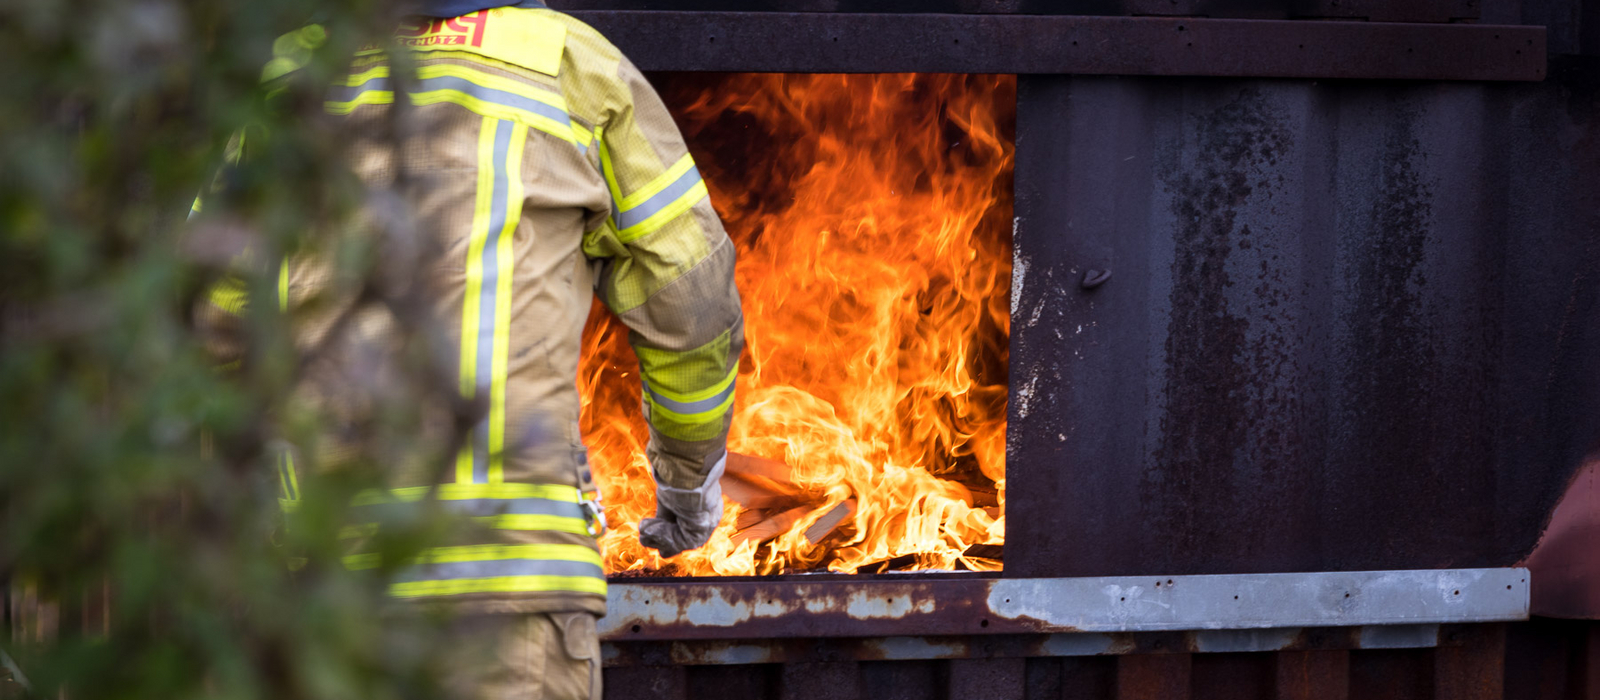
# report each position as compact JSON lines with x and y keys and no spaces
{"x":918,"y":606}
{"x":801,"y":42}
{"x":827,"y":652}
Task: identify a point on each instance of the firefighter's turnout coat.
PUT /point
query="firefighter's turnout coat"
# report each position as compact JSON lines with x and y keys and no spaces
{"x":545,"y":170}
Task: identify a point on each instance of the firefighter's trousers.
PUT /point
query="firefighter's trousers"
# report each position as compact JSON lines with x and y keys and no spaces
{"x":533,"y":656}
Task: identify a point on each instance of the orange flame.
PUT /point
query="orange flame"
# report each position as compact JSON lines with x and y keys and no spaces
{"x":871,"y":215}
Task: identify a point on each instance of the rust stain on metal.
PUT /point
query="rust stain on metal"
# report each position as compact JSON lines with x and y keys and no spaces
{"x":1566,"y":573}
{"x":802,"y":608}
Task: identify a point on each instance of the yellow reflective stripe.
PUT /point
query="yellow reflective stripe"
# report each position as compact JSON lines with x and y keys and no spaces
{"x":667,"y":214}
{"x":464,"y":462}
{"x":470,"y":310}
{"x":504,"y":584}
{"x":486,"y":312}
{"x":480,"y":234}
{"x":230,"y":295}
{"x":560,"y":130}
{"x":697,"y":395}
{"x":582,"y":135}
{"x":494,"y":82}
{"x":487,"y":552}
{"x":502,"y":299}
{"x":605,"y":165}
{"x":706,"y":416}
{"x":356,"y":79}
{"x":289,"y":505}
{"x":548,"y":523}
{"x":292,"y":485}
{"x":370,"y":97}
{"x":501,"y":97}
{"x":658,"y":184}
{"x":464,"y":492}
{"x":350,"y":532}
{"x":283,"y":286}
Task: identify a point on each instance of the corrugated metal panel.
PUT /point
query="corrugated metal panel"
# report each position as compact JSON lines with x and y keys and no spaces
{"x":1349,"y":325}
{"x":1539,"y":660}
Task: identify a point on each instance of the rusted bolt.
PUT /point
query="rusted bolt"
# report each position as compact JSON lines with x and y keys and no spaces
{"x":983,"y":623}
{"x":635,"y":628}
{"x":1095,"y":278}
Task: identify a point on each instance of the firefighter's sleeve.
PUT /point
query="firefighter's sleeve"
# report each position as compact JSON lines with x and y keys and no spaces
{"x":667,"y":272}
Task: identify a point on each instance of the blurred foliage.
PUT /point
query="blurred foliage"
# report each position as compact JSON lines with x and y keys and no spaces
{"x":141,"y":541}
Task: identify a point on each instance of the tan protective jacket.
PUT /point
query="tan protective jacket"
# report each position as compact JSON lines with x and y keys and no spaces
{"x":548,"y":170}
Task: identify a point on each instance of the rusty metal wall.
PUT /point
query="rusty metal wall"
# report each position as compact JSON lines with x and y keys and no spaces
{"x":1538,"y":660}
{"x":1349,"y":325}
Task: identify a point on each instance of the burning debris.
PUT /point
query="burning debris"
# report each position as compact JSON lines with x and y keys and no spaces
{"x":871,"y":214}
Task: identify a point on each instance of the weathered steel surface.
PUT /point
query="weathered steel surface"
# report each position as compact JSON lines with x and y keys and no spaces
{"x":1472,"y":672}
{"x":1153,"y":677}
{"x":1553,"y":658}
{"x":1537,"y":660}
{"x":1312,"y":675}
{"x":1350,"y":326}
{"x":822,"y":652}
{"x":813,"y":607}
{"x":1085,"y":45}
{"x":819,"y":607}
{"x":1260,"y":601}
{"x":1567,"y":560}
{"x":1373,"y":10}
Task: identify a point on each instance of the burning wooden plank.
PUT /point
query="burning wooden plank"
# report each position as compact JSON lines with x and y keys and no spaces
{"x":773,"y":503}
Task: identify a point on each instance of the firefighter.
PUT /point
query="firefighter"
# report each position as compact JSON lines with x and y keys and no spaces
{"x":548,"y":171}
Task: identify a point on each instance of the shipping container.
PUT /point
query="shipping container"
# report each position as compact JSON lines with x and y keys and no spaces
{"x":1303,"y":353}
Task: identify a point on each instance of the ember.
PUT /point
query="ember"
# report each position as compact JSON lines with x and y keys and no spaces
{"x":872,"y":217}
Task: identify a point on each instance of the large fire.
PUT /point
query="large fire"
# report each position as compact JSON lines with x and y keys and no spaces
{"x":872,"y":219}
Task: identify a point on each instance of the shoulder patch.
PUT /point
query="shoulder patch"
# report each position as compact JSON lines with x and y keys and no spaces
{"x":520,"y":37}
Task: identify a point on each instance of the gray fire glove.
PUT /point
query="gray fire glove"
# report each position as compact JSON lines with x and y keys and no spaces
{"x":685,"y":518}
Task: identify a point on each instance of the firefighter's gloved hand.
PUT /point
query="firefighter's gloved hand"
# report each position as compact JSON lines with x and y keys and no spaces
{"x":685,"y":518}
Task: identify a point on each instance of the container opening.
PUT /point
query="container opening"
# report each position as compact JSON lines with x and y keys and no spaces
{"x":872,"y":219}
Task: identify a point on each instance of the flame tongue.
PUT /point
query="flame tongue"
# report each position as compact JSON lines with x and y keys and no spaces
{"x":871,"y":215}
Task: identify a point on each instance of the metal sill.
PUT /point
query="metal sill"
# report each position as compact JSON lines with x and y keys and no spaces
{"x":914,"y":606}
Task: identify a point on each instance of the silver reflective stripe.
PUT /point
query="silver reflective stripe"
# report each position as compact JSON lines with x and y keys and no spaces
{"x":498,"y":568}
{"x":649,"y":207}
{"x":348,"y":93}
{"x":499,"y":97}
{"x":691,"y":407}
{"x":481,"y":507}
{"x":487,"y":301}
